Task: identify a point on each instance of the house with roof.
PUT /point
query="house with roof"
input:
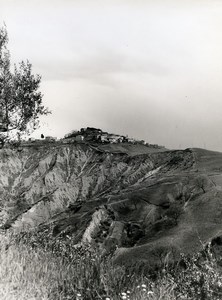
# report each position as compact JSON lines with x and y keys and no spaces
{"x":113,"y":138}
{"x":103,"y":138}
{"x":131,"y":140}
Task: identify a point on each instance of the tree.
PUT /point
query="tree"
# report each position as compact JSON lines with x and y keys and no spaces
{"x":20,"y":98}
{"x":202,"y":182}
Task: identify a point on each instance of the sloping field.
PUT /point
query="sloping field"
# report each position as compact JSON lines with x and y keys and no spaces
{"x":141,"y":207}
{"x":199,"y":213}
{"x":208,"y":161}
{"x":130,"y":149}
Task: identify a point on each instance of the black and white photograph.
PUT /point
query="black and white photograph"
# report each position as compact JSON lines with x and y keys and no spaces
{"x":110,"y":150}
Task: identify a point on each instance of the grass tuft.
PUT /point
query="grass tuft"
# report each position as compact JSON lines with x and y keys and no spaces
{"x":34,"y":268}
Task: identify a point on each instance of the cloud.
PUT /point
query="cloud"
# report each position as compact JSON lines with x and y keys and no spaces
{"x":101,"y":68}
{"x":148,"y":69}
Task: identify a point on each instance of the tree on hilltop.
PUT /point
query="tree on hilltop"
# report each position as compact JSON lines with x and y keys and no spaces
{"x":20,"y":98}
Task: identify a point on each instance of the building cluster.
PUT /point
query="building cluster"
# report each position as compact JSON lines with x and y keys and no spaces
{"x":90,"y":135}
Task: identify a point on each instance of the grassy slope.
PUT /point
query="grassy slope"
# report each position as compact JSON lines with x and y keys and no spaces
{"x":28,"y":273}
{"x":140,"y":201}
{"x":130,"y":149}
{"x":31,"y":272}
{"x":200,"y":218}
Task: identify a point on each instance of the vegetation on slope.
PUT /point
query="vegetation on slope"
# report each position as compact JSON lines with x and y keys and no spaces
{"x":145,"y":205}
{"x":32,"y":268}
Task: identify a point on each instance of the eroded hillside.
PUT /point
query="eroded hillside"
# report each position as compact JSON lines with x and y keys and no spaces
{"x":139,"y":207}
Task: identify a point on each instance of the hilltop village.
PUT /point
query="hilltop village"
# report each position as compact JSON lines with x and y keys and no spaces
{"x":90,"y":135}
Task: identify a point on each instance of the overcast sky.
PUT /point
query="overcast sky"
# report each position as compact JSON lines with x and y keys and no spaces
{"x":149,"y":69}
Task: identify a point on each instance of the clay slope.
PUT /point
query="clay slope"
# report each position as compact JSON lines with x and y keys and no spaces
{"x":141,"y":207}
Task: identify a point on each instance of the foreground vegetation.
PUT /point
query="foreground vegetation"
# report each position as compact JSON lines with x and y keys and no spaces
{"x":34,"y":267}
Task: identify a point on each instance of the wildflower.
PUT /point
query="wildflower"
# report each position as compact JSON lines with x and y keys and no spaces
{"x":124,"y":297}
{"x":143,"y":286}
{"x":128,"y":292}
{"x":107,"y":298}
{"x":78,"y":295}
{"x":123,"y":294}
